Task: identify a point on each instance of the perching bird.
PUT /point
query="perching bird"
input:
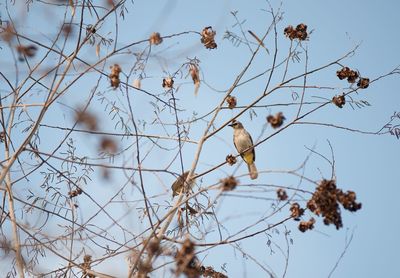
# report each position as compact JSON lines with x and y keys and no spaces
{"x":177,"y":186}
{"x":242,"y":141}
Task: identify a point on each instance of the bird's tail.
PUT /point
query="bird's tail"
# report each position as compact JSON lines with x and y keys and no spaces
{"x":253,"y":171}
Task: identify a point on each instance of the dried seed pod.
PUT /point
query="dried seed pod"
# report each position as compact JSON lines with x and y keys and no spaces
{"x":296,"y":211}
{"x":307,"y":225}
{"x":155,"y":38}
{"x":8,"y":33}
{"x":186,"y":260}
{"x":229,"y":183}
{"x":28,"y":51}
{"x":363,"y":83}
{"x":288,"y":31}
{"x":299,"y":33}
{"x":277,"y":120}
{"x":108,"y":145}
{"x":352,"y":77}
{"x":230,"y":159}
{"x":86,"y":265}
{"x":86,"y":118}
{"x":282,"y":195}
{"x":339,"y":100}
{"x":207,"y":38}
{"x":167,"y":83}
{"x":232,"y":102}
{"x":114,"y":76}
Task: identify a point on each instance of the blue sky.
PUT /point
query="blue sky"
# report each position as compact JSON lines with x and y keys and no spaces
{"x":367,"y":164}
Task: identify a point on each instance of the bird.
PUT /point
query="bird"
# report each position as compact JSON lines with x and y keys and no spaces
{"x":242,"y":141}
{"x":177,"y":186}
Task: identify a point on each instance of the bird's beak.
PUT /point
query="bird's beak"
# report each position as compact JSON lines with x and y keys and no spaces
{"x":231,"y":125}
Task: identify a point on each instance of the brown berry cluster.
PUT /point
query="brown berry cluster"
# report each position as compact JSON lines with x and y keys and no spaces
{"x":186,"y":261}
{"x":229,"y":183}
{"x":2,"y":136}
{"x":155,"y":38}
{"x":8,"y":33}
{"x":108,"y":145}
{"x":86,"y":118}
{"x":277,"y":120}
{"x":209,"y":272}
{"x":352,"y":76}
{"x":231,"y":159}
{"x":363,"y":83}
{"x":346,"y":72}
{"x":232,"y":101}
{"x":27,"y":51}
{"x":167,"y":83}
{"x":282,"y":195}
{"x":307,"y":225}
{"x":207,"y":38}
{"x":114,"y":76}
{"x":87,"y":261}
{"x":299,"y":33}
{"x":296,"y":211}
{"x":325,"y":202}
{"x":75,"y":192}
{"x":339,"y":100}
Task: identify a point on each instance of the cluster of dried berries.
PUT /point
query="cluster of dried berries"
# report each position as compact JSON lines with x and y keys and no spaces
{"x":26,"y":51}
{"x":296,"y":211}
{"x":232,"y":101}
{"x":229,"y":183}
{"x":352,"y":77}
{"x":231,"y":159}
{"x":86,"y":118}
{"x":207,"y":38}
{"x":155,"y":38}
{"x":363,"y":83}
{"x":2,"y":136}
{"x":325,"y":202}
{"x":108,"y":145}
{"x":307,"y":225}
{"x":87,"y":260}
{"x":282,"y":195}
{"x":75,"y":192}
{"x":167,"y":83}
{"x":209,"y":272}
{"x":339,"y":100}
{"x":299,"y":33}
{"x":186,"y":261}
{"x":348,"y":200}
{"x":346,"y":72}
{"x":114,"y":76}
{"x":277,"y":120}
{"x":8,"y":33}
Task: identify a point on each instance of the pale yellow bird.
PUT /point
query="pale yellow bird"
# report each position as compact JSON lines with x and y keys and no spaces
{"x":242,"y":141}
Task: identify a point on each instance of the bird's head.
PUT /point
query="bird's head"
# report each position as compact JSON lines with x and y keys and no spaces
{"x":236,"y":124}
